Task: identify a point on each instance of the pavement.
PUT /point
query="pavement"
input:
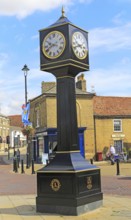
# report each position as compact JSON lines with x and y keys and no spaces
{"x":18,"y":194}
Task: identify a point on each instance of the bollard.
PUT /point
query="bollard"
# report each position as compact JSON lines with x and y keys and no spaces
{"x":33,"y":172}
{"x":46,"y":161}
{"x":22,"y":167}
{"x":27,"y":160}
{"x":15,"y":166}
{"x":18,"y":162}
{"x":117,"y":167}
{"x":91,"y":161}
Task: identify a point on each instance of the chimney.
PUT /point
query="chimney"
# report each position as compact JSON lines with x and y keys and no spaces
{"x":45,"y":86}
{"x":81,"y":83}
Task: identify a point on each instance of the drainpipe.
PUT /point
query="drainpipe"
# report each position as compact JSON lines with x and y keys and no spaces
{"x":95,"y":147}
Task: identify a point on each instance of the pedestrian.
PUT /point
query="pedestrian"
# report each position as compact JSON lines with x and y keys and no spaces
{"x":14,"y":152}
{"x":18,"y":155}
{"x":112,"y":152}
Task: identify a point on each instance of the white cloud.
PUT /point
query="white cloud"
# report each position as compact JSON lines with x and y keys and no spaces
{"x":86,"y":1}
{"x":111,"y":39}
{"x":126,"y":61}
{"x":113,"y":81}
{"x":35,"y":37}
{"x":12,"y":93}
{"x":23,"y":8}
{"x":118,"y":19}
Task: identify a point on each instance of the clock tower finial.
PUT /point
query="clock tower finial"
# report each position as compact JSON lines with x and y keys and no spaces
{"x":63,"y":12}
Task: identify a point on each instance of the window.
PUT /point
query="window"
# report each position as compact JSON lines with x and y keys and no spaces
{"x":117,"y":125}
{"x":37,"y":118}
{"x":118,"y":146}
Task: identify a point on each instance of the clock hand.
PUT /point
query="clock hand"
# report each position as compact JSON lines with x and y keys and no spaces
{"x":48,"y":42}
{"x":76,"y":46}
{"x":80,"y":44}
{"x":52,"y":45}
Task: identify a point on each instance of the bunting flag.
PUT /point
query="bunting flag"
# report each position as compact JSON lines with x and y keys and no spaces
{"x":25,"y":114}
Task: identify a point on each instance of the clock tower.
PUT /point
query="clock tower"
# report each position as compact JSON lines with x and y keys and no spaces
{"x":69,"y":184}
{"x":64,"y":48}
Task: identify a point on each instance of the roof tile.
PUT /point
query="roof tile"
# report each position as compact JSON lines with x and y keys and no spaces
{"x":15,"y":120}
{"x":107,"y":105}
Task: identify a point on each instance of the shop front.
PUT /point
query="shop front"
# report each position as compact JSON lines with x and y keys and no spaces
{"x":45,"y":144}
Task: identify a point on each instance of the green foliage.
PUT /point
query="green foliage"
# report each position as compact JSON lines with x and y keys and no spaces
{"x":129,"y":150}
{"x":124,"y":149}
{"x":28,"y":130}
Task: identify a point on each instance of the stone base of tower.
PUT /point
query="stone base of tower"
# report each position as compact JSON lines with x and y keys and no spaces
{"x":69,"y":185}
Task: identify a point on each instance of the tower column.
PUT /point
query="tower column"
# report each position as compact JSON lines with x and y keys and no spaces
{"x":67,"y":116}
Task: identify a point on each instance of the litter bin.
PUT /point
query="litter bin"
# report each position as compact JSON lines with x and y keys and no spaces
{"x":99,"y":156}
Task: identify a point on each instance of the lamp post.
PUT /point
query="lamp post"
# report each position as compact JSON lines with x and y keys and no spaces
{"x":25,"y":69}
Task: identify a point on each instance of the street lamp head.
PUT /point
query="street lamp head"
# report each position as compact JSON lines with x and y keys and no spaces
{"x":25,"y":69}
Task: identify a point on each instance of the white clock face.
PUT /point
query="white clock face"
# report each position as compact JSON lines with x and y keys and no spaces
{"x":53,"y":44}
{"x":79,"y":45}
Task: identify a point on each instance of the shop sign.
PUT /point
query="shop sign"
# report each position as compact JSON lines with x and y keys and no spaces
{"x":118,"y":135}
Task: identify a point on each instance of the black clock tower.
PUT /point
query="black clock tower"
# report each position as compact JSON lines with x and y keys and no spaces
{"x":69,"y":184}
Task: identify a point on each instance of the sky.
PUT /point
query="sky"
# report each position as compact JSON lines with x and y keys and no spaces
{"x":109,"y":26}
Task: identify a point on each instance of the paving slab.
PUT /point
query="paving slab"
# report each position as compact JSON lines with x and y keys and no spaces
{"x":23,"y":207}
{"x":18,"y":193}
